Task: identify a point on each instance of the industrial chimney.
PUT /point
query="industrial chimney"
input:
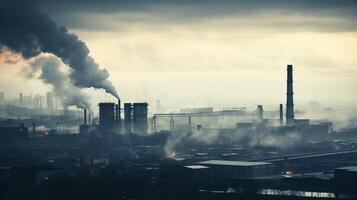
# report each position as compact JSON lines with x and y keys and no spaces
{"x":281,"y":114}
{"x":289,"y":97}
{"x":117,"y":115}
{"x":85,"y":117}
{"x":260,"y":112}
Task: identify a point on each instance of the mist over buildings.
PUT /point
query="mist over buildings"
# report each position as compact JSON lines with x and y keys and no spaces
{"x":218,"y":99}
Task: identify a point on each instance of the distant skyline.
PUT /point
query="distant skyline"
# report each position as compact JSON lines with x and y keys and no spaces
{"x":199,"y":53}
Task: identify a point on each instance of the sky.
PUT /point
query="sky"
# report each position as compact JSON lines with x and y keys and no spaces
{"x":207,"y":53}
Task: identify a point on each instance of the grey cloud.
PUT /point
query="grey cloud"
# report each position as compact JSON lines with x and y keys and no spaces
{"x":117,"y":14}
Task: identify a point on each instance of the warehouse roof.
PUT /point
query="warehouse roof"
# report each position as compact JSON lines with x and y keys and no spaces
{"x":349,"y":168}
{"x":233,"y":163}
{"x":196,"y":167}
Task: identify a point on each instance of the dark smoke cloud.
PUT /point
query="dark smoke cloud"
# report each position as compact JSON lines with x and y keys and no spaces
{"x":48,"y":69}
{"x":28,"y":31}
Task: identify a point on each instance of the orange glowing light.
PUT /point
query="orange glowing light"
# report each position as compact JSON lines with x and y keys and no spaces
{"x":171,"y":154}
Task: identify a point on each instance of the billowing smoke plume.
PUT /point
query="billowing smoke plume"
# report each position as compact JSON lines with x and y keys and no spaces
{"x":48,"y":69}
{"x":26,"y":30}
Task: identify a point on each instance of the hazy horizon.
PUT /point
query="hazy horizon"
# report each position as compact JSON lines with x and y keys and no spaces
{"x":208,"y":53}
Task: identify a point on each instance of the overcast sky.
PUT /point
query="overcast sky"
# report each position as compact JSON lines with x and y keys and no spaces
{"x":206,"y":52}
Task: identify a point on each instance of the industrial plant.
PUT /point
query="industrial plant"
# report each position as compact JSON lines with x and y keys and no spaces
{"x":194,"y":153}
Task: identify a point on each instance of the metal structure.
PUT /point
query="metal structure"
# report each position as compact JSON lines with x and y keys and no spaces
{"x":235,"y":112}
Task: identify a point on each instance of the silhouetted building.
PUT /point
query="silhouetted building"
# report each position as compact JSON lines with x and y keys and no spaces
{"x":221,"y":169}
{"x":128,"y":117}
{"x":346,"y":181}
{"x":140,"y":117}
{"x":106,"y":116}
{"x":13,"y":132}
{"x":289,"y":97}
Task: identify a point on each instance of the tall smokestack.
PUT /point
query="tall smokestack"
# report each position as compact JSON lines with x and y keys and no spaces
{"x":117,"y":115}
{"x":260,"y":112}
{"x":289,"y":97}
{"x":281,"y":114}
{"x":85,"y":117}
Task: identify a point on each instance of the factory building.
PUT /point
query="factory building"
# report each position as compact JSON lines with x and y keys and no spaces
{"x":140,"y":118}
{"x":135,"y":117}
{"x":221,"y":169}
{"x":106,"y":116}
{"x":346,"y":181}
{"x":128,"y":117}
{"x":13,"y":132}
